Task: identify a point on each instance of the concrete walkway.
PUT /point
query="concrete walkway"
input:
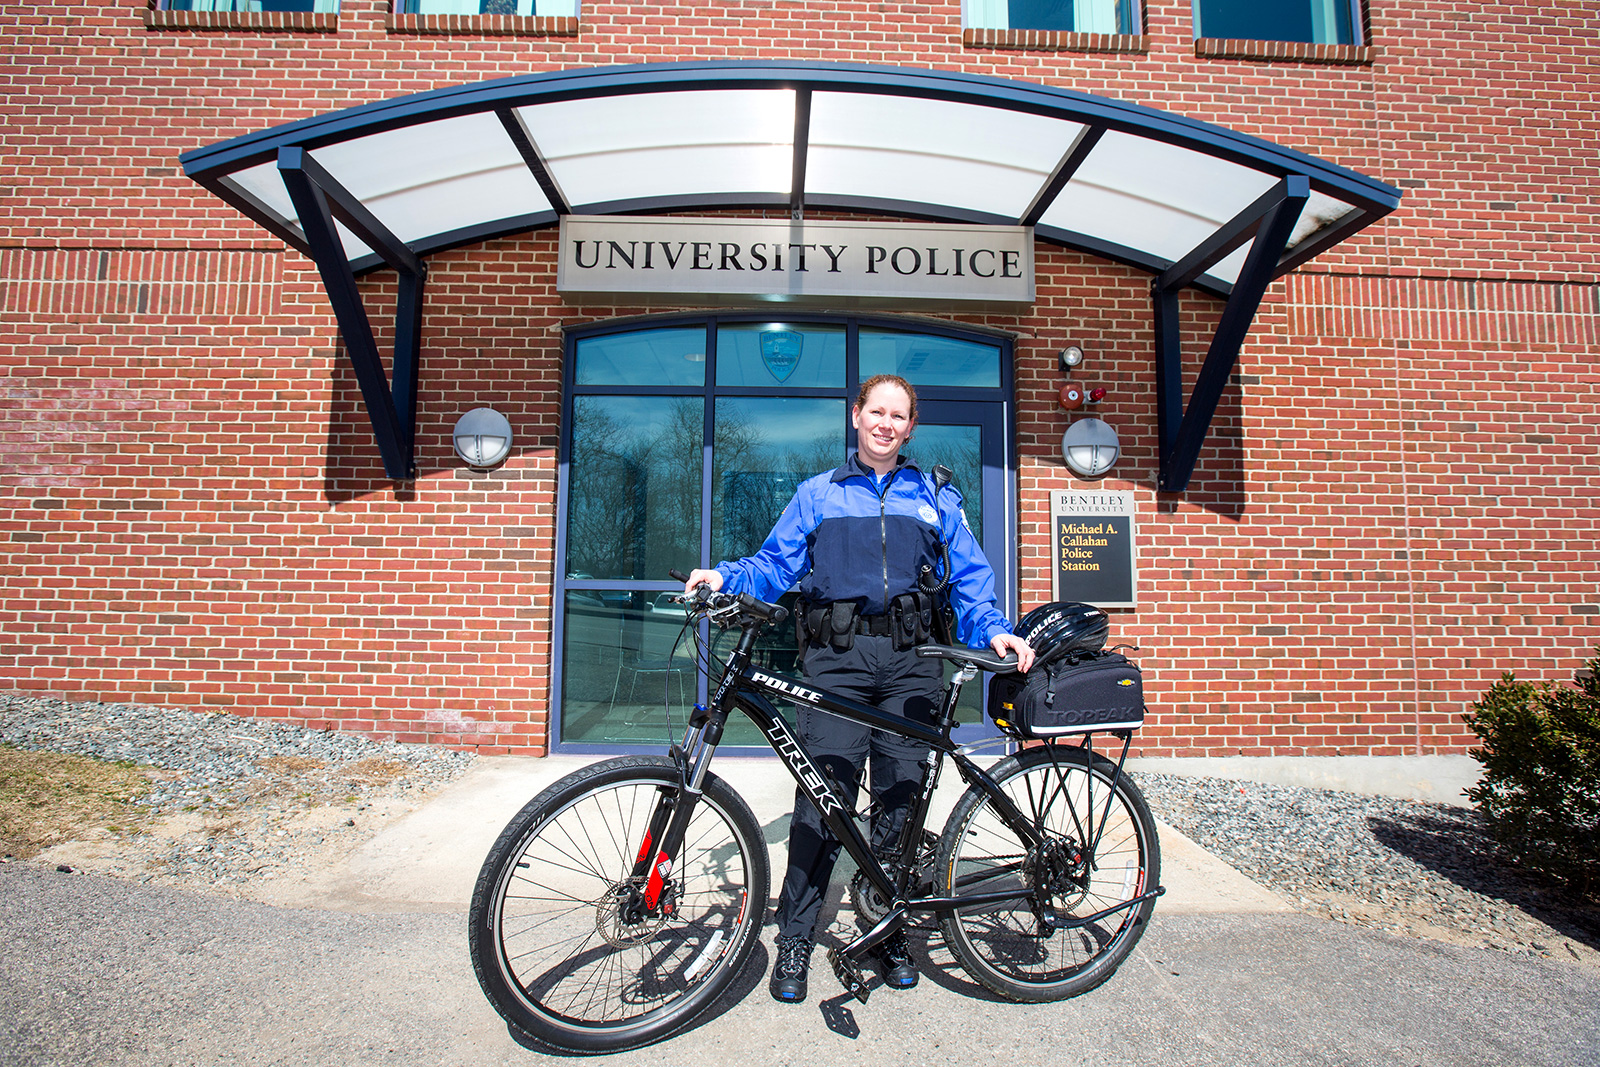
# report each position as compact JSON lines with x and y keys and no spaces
{"x":430,"y":858}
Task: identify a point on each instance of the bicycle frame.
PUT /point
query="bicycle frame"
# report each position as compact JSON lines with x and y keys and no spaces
{"x":747,"y":688}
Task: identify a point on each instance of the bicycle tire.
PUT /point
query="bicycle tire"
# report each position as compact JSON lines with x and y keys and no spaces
{"x":1004,"y":946}
{"x":552,"y":948}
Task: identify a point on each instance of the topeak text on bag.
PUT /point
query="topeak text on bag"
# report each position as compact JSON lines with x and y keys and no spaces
{"x":1081,"y":692}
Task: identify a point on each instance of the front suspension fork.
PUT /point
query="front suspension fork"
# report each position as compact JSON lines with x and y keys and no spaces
{"x":675,"y":806}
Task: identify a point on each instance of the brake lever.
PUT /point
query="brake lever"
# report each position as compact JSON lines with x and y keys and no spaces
{"x":700,"y":595}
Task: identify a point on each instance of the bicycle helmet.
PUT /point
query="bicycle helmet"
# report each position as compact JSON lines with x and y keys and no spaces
{"x":1064,"y":626}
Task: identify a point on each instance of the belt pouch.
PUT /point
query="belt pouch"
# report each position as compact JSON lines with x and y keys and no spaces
{"x":842,"y":624}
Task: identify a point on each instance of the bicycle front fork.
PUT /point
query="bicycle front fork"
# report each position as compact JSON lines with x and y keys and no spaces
{"x":663,"y":837}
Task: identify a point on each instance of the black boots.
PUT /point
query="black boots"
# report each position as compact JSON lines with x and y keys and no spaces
{"x":894,"y":954}
{"x":789,"y":971}
{"x":794,"y":961}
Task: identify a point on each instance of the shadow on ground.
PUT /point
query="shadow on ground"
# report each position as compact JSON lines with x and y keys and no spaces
{"x":1455,"y":844}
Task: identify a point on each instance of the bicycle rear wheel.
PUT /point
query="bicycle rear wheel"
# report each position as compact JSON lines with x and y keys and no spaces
{"x":1069,"y":924}
{"x":563,"y":939}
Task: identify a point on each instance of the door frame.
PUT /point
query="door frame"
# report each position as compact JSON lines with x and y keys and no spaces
{"x":936,"y":404}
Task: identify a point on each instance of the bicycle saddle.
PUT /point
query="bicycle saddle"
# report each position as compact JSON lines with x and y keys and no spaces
{"x":978,"y":657}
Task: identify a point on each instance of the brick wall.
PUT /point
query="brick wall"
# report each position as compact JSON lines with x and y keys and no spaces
{"x":1391,"y":508}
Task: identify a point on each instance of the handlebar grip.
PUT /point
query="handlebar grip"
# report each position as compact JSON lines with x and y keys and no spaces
{"x":771,"y":613}
{"x":675,"y":573}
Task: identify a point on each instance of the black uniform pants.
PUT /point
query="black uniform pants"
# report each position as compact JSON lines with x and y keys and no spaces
{"x":898,"y":683}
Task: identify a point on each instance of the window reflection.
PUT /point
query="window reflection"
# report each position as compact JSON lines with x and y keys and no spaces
{"x":961,"y":449}
{"x":638,"y":477}
{"x":643,"y":357}
{"x":633,"y":485}
{"x":764,"y":448}
{"x":1081,"y":16}
{"x":628,"y":667}
{"x":773,"y":354}
{"x":548,"y":8}
{"x":1307,"y":21}
{"x":928,"y":359}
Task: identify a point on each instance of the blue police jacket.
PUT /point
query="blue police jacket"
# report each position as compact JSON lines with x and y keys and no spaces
{"x":844,"y":537}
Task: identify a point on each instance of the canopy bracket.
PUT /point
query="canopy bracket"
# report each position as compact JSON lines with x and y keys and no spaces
{"x":1270,"y":221}
{"x":318,"y":200}
{"x":1072,"y":159}
{"x":534,"y":160}
{"x":802,"y":146}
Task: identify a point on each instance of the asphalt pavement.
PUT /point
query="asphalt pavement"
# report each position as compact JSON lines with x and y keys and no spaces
{"x":372,"y":968}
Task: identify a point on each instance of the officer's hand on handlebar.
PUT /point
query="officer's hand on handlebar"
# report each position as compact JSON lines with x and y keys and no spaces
{"x":1004,"y":644}
{"x":710,"y":578}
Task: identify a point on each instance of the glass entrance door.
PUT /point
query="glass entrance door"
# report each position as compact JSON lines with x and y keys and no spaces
{"x":684,"y":440}
{"x":969,"y":439}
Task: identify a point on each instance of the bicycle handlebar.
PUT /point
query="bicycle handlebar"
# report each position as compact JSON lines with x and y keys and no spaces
{"x":771,"y":614}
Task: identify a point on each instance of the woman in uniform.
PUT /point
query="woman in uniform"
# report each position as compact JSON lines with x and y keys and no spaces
{"x":857,"y":539}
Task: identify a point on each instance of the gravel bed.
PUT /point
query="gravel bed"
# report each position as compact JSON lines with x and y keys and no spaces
{"x":219,"y":758}
{"x":233,"y":800}
{"x":1405,"y":866}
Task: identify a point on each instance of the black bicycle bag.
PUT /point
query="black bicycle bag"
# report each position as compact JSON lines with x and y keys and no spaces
{"x":1080,"y":692}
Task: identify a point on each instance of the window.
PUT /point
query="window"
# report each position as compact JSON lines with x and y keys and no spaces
{"x":251,"y":5}
{"x":1080,"y":16}
{"x":1307,"y":21}
{"x":548,"y":8}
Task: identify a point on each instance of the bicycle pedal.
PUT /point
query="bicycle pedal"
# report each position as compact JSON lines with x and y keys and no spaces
{"x":849,"y":975}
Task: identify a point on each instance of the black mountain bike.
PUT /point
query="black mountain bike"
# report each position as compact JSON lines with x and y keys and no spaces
{"x":620,"y":902}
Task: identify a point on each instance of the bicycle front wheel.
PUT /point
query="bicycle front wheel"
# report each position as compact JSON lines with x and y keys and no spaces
{"x":566,"y":941}
{"x":1056,"y":918}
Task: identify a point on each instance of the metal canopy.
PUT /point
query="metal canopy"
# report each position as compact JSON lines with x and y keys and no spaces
{"x":389,"y":183}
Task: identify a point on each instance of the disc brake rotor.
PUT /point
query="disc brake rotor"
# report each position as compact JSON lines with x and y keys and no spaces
{"x":620,"y":916}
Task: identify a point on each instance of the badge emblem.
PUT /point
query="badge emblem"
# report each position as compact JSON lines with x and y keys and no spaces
{"x":780,"y":351}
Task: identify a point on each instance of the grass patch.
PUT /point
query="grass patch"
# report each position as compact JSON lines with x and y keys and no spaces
{"x":47,"y":798}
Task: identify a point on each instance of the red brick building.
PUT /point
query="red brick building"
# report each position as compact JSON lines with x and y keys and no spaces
{"x":1392,"y":505}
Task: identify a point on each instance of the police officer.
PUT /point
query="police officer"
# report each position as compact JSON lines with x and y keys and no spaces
{"x":856,"y":539}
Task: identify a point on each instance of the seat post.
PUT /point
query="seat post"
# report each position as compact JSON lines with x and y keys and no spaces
{"x":952,"y":694}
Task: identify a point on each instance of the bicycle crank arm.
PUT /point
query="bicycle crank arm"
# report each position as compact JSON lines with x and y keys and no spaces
{"x":849,"y":975}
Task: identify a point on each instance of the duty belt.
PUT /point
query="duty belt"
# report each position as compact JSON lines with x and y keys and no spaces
{"x":907,"y":622}
{"x":874,"y":625}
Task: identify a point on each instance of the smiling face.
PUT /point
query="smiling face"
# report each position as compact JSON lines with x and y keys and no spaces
{"x":883,"y":419}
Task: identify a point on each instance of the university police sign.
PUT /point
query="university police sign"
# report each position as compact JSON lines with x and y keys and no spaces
{"x":776,"y":259}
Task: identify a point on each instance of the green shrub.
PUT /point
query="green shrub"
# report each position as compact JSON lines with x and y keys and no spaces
{"x":1540,"y":792}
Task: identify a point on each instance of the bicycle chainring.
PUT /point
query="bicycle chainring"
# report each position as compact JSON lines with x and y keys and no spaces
{"x":870,"y":905}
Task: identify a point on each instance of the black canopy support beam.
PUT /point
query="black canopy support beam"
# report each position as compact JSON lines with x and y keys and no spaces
{"x":534,"y":160}
{"x":1182,"y":430}
{"x":1234,"y":233}
{"x":1071,"y":160}
{"x":318,"y":200}
{"x":802,"y":145}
